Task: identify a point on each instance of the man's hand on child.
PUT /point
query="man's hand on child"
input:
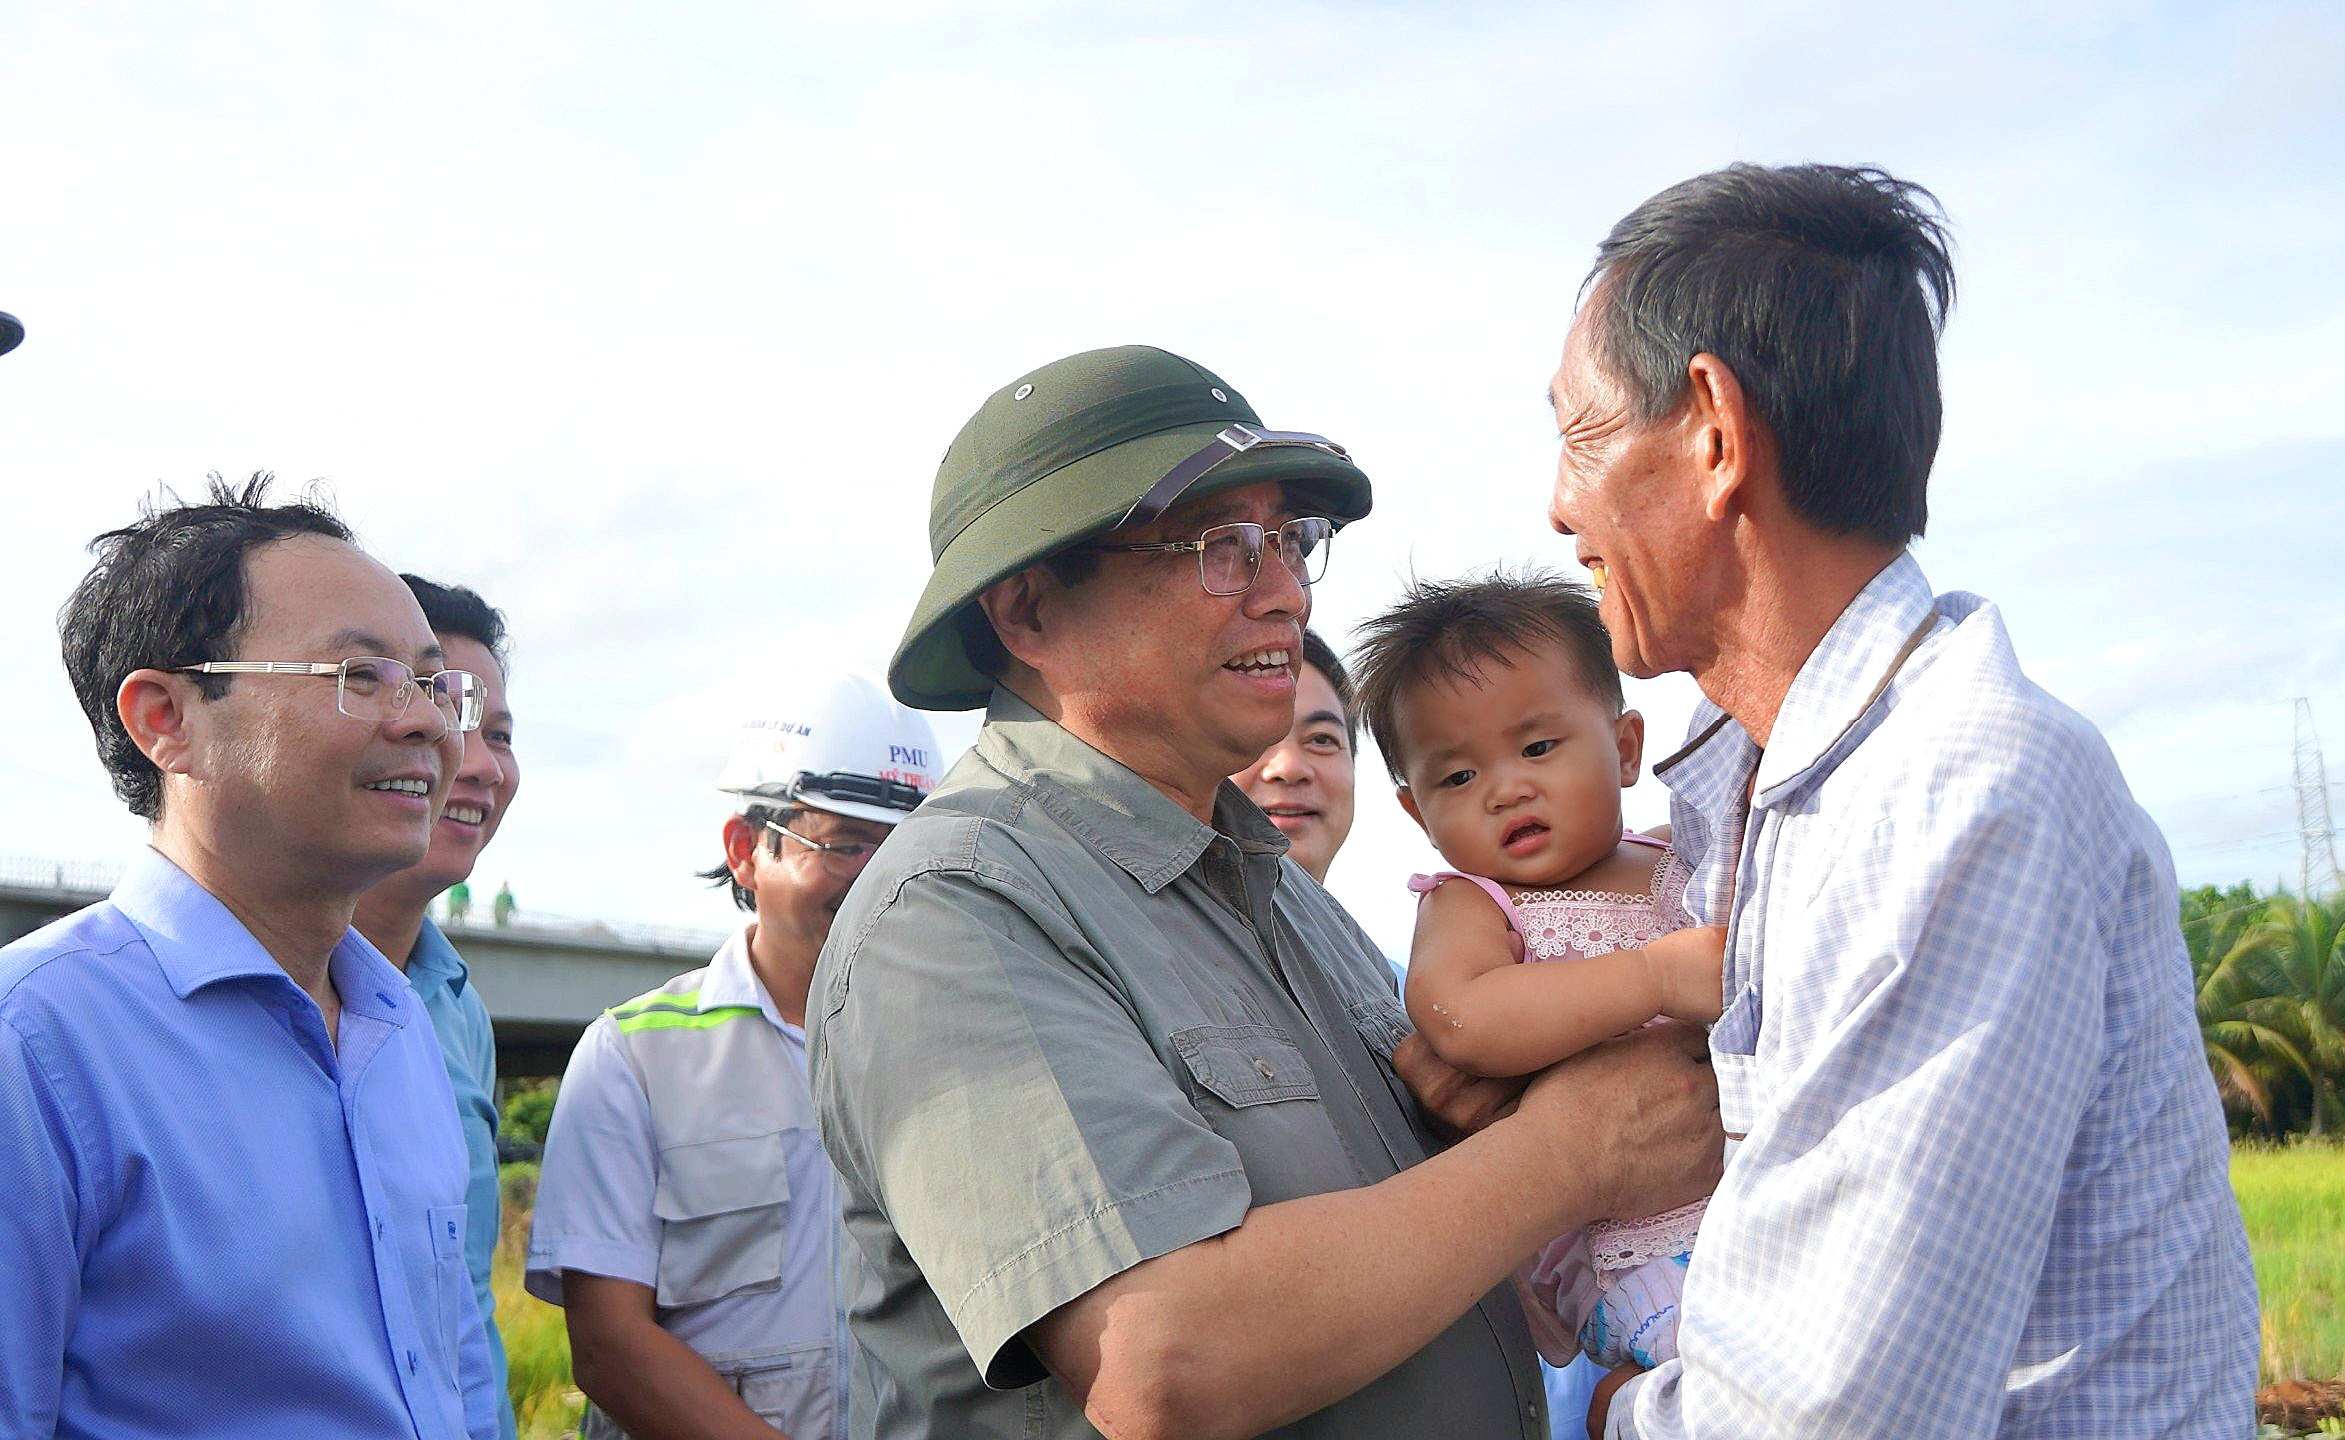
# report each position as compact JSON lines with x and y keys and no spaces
{"x":1650,"y":1100}
{"x":1459,"y":1103}
{"x":1688,"y":972}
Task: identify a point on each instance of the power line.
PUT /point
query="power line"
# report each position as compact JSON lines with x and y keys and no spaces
{"x":2264,"y":841}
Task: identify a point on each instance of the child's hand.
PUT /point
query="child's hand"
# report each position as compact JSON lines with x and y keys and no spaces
{"x":1688,"y":971}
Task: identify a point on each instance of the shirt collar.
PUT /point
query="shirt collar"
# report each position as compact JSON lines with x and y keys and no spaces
{"x":435,"y":961}
{"x":731,"y":980}
{"x":1709,"y":771}
{"x":1107,"y":803}
{"x":197,"y":942}
{"x":1840,"y":680}
{"x":1845,"y":674}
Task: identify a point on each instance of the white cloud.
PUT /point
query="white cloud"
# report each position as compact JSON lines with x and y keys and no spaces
{"x":653,"y":323}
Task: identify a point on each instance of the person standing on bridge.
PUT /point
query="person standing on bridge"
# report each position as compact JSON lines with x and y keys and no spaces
{"x":393,"y":916}
{"x":235,"y":1184}
{"x":687,"y":1217}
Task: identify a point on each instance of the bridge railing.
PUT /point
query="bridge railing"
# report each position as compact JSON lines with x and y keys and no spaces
{"x":569,"y":929}
{"x":72,"y":877}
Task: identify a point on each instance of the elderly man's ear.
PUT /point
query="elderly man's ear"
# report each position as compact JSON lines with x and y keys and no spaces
{"x":153,"y":707}
{"x":1726,"y":434}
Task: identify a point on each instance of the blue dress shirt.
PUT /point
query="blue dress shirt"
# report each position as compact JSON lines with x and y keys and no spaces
{"x":461,"y":1019}
{"x":218,"y":1223}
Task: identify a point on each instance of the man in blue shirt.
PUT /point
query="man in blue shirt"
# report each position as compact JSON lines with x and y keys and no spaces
{"x":392,"y":917}
{"x":236,"y":1187}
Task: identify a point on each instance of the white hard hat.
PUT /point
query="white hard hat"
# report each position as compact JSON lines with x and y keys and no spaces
{"x":845,"y":745}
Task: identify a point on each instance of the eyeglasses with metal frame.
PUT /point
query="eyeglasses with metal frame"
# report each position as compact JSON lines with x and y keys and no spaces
{"x":1229,"y":557}
{"x":845,"y":855}
{"x":372,"y":687}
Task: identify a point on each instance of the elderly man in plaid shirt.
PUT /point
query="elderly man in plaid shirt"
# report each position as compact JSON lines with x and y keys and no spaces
{"x":1980,"y":1186}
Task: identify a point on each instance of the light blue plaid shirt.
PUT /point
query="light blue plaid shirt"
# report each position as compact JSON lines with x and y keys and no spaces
{"x":1985,"y":1187}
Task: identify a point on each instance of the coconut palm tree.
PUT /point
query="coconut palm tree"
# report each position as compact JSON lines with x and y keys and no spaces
{"x":2303,"y":943}
{"x":2260,"y":1070}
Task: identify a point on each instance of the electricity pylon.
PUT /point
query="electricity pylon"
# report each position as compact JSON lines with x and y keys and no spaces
{"x":2314,"y":827}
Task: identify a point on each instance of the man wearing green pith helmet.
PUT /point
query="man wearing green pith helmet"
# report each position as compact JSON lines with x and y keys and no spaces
{"x":1115,"y":1090}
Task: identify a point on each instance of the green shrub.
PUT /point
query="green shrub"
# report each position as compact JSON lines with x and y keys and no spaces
{"x":528,"y":1110}
{"x":517,"y":1186}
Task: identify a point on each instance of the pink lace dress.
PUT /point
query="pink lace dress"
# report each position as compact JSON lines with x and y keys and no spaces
{"x":1563,"y":1286}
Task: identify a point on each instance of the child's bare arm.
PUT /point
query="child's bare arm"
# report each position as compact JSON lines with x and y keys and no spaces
{"x":1461,"y":937}
{"x":1488,"y":1015}
{"x":1688,"y":969}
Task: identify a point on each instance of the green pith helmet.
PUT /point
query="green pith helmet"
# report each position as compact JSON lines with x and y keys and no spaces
{"x":1072,"y":450}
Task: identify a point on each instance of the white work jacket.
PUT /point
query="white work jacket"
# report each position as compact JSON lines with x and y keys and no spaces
{"x":683,"y":1156}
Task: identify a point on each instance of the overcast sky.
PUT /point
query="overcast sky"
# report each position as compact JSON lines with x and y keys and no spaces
{"x":651,"y":322}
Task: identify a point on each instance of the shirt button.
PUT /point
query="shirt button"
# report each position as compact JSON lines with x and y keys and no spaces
{"x":1267,"y":1072}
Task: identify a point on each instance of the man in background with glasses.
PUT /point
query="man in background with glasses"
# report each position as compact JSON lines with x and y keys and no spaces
{"x":1303,"y":783}
{"x":687,"y":1218}
{"x":1116,"y":1098}
{"x":395,"y":917}
{"x":236,"y":1186}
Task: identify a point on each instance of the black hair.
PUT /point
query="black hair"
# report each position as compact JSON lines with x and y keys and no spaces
{"x":1824,"y":289}
{"x":459,"y":610}
{"x":757,"y":817}
{"x":168,"y":591}
{"x":1442,"y":628}
{"x":1320,"y":655}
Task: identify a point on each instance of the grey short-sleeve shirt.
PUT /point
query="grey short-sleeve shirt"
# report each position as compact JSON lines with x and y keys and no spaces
{"x":1062,"y":1027}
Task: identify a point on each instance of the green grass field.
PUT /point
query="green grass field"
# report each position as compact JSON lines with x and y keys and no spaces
{"x":2292,"y":1195}
{"x":537,"y":1349}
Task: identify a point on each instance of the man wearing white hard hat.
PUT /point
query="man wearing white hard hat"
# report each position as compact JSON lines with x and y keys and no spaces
{"x":686,"y":1216}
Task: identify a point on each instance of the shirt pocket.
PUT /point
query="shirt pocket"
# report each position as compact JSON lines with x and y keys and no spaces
{"x":723,"y":1207}
{"x":1734,"y":1044}
{"x":1252,"y":1085}
{"x":1737,"y":1030}
{"x":1246,"y":1065}
{"x":451,"y":1280}
{"x":1382,"y":1024}
{"x":793,"y":1388}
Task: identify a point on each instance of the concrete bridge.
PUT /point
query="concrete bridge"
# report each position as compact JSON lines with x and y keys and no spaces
{"x":544,"y":979}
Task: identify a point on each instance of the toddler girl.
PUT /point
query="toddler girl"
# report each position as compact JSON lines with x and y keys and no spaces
{"x":1498,"y":709}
